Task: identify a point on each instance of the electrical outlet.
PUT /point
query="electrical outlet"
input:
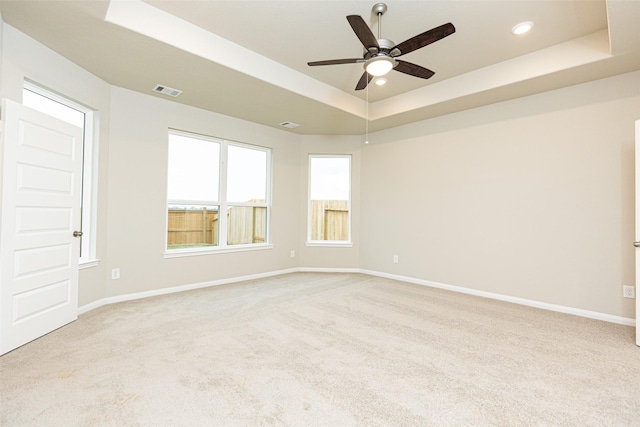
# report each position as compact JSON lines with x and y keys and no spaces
{"x":395,"y":259}
{"x":115,"y":273}
{"x":629,"y":291}
{"x":293,"y":254}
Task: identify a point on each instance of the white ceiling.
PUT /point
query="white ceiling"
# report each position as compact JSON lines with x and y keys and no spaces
{"x":248,"y":58}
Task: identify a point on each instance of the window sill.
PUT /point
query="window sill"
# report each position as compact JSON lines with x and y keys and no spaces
{"x":179,"y":253}
{"x":88,"y":263}
{"x":331,"y":244}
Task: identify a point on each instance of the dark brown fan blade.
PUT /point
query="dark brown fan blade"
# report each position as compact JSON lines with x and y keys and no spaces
{"x":426,"y":38}
{"x":364,"y":81}
{"x":413,"y":69}
{"x":335,"y":62}
{"x":363,"y":31}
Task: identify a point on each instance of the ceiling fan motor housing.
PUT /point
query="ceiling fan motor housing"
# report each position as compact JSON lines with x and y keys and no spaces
{"x":385,"y":53}
{"x":386,"y":48}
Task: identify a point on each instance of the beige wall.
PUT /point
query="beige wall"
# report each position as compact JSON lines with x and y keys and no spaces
{"x":532,"y":198}
{"x":322,"y":256}
{"x":137,"y":183}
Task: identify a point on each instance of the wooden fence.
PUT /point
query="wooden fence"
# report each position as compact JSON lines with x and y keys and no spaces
{"x":247,"y":224}
{"x":329,"y":220}
{"x":192,"y":227}
{"x":185,"y":228}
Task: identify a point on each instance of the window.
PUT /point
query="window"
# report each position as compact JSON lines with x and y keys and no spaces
{"x":218,"y":194}
{"x":66,"y":110}
{"x":329,"y":200}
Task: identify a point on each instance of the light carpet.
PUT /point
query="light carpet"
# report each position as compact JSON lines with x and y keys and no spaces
{"x":318,"y":349}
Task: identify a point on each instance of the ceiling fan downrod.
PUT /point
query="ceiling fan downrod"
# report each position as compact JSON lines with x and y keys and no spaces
{"x":379,"y":9}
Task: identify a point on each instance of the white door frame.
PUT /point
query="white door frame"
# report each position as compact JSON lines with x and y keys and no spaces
{"x":637,"y":232}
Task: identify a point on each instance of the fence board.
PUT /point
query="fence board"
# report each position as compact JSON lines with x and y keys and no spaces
{"x":329,"y":220}
{"x":247,"y":224}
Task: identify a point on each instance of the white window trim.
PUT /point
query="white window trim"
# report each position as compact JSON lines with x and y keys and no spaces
{"x":330,"y":243}
{"x":88,"y":264}
{"x":222,"y":203}
{"x":327,"y":243}
{"x":179,"y":253}
{"x":89,"y":173}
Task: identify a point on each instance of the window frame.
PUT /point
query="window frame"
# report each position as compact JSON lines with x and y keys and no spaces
{"x":222,"y":203}
{"x":89,"y":205}
{"x":330,"y":243}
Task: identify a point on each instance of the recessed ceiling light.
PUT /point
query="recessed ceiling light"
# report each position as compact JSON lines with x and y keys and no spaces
{"x":521,"y":28}
{"x":381,"y":81}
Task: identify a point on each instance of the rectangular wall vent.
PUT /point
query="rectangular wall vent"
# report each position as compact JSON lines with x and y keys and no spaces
{"x":289,"y":125}
{"x":167,"y":90}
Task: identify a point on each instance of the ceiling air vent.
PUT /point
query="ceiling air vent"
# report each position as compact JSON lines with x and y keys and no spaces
{"x":289,"y":125}
{"x":167,"y":90}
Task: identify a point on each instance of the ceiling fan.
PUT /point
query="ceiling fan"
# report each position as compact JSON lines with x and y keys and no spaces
{"x":380,"y":54}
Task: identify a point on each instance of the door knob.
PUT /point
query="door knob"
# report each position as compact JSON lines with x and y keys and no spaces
{"x":79,"y":234}
{"x":636,"y":244}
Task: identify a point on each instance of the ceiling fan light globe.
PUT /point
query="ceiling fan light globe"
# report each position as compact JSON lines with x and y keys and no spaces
{"x":379,"y":66}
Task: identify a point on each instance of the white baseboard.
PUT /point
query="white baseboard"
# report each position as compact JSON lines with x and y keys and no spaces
{"x":174,"y":289}
{"x":531,"y":303}
{"x":328,"y":270}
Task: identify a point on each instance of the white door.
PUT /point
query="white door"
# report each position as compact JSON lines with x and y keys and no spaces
{"x":41,"y":196}
{"x":637,"y":242}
